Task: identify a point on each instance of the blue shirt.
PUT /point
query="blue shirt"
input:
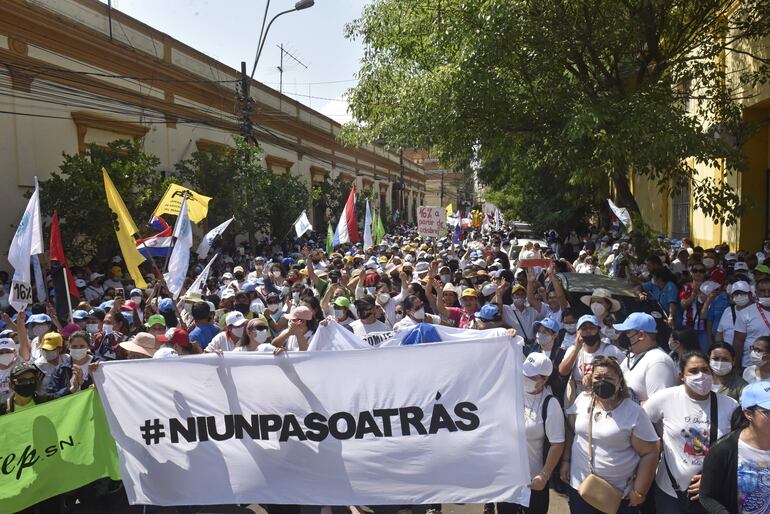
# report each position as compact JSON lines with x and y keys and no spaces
{"x":715,"y":311}
{"x":665,"y":295}
{"x":203,"y":334}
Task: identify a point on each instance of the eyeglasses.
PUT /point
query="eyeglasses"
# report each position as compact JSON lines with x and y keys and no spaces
{"x":258,"y":328}
{"x":26,"y":382}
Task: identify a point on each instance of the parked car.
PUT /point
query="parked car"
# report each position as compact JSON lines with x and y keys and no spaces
{"x":577,"y":285}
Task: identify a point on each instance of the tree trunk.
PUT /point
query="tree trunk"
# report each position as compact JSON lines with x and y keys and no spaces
{"x":623,"y":195}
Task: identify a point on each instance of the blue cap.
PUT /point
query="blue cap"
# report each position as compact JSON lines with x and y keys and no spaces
{"x":260,"y":281}
{"x":128,"y":316}
{"x":588,"y":318}
{"x":640,"y":321}
{"x":549,"y":323}
{"x":39,"y":318}
{"x":166,"y":305}
{"x":79,"y":315}
{"x":488,"y":312}
{"x":105,"y":306}
{"x":756,"y":394}
{"x":288,"y":261}
{"x":422,"y":333}
{"x":249,"y":287}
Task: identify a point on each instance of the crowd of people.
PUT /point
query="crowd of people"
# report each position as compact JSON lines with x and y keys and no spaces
{"x":615,"y":418}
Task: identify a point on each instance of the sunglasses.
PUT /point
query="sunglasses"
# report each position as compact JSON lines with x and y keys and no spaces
{"x":258,"y":328}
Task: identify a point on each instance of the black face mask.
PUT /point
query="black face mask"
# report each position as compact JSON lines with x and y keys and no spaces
{"x":604,"y":389}
{"x":243,"y":308}
{"x":592,"y":340}
{"x":25,"y":390}
{"x":623,"y":341}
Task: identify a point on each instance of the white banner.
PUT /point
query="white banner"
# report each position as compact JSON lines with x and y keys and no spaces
{"x":422,"y":424}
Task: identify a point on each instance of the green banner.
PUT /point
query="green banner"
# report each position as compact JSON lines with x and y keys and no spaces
{"x":53,"y":448}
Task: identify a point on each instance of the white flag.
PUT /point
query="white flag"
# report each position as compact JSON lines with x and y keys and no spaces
{"x":368,"y":227}
{"x":200,"y":280}
{"x":622,"y":214}
{"x":302,"y":224}
{"x":180,"y":255}
{"x":27,"y":241}
{"x":208,"y":239}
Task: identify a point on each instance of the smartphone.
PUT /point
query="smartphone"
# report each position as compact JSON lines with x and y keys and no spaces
{"x":120,"y":293}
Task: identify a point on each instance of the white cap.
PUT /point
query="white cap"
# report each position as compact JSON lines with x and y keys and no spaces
{"x":257,"y":307}
{"x":740,"y":266}
{"x":228,"y":293}
{"x":235,"y":319}
{"x":165,"y":353}
{"x":489,"y":289}
{"x":536,"y":364}
{"x":94,"y":276}
{"x":741,"y":286}
{"x":6,"y":343}
{"x":80,"y":283}
{"x":708,"y":287}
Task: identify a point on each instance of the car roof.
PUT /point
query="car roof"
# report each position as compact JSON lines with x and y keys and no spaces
{"x":587,"y":282}
{"x":521,"y":241}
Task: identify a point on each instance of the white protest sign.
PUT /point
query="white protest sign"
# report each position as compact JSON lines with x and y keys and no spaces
{"x":431,"y":221}
{"x":21,"y":294}
{"x":381,"y":426}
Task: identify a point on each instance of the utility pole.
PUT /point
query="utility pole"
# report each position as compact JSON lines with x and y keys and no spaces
{"x":442,"y":187}
{"x":247,"y":106}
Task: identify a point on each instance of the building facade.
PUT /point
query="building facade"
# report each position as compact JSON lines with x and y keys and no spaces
{"x":73,"y":73}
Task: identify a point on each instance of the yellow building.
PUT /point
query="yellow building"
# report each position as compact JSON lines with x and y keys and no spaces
{"x":71,"y":74}
{"x":678,"y":216}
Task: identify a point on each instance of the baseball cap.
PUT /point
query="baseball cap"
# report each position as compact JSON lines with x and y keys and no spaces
{"x":249,"y":287}
{"x":301,"y":312}
{"x":537,"y":364}
{"x":235,"y":319}
{"x":79,"y":315}
{"x":38,"y":318}
{"x":52,"y":341}
{"x":115,"y":270}
{"x":588,"y":318}
{"x":342,"y":301}
{"x":762,"y":269}
{"x":756,"y":394}
{"x":549,"y":323}
{"x":166,"y":305}
{"x":136,"y":292}
{"x":80,"y":283}
{"x":640,"y":321}
{"x":6,"y":343}
{"x":469,"y":293}
{"x":741,"y":286}
{"x":24,"y":367}
{"x":155,"y":319}
{"x":489,"y":289}
{"x":488,"y":312}
{"x":95,"y":276}
{"x":741,"y":266}
{"x":228,"y":293}
{"x":516,"y":288}
{"x":176,"y":335}
{"x":69,"y":329}
{"x":165,"y":353}
{"x":238,"y":269}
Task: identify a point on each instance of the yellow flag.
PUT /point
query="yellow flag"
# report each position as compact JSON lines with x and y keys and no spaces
{"x":124,"y":230}
{"x":197,"y":205}
{"x":449,"y":211}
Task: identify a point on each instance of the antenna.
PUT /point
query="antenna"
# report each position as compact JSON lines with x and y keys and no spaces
{"x":280,"y":68}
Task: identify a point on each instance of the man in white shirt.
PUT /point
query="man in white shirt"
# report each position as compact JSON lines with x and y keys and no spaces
{"x":227,"y":340}
{"x":367,"y":326}
{"x":752,"y":323}
{"x":647,"y":369}
{"x":740,"y":299}
{"x":114,"y":281}
{"x":518,"y":316}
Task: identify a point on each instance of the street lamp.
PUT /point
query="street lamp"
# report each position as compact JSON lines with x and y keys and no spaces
{"x":299,"y":6}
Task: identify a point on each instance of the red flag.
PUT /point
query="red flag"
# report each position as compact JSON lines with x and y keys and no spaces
{"x":57,"y":254}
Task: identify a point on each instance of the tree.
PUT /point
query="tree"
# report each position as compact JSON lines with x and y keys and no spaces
{"x":549,"y":95}
{"x":239,"y":186}
{"x":332,"y":194}
{"x":77,"y":191}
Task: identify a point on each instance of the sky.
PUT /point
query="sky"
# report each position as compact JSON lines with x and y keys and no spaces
{"x":227,"y":30}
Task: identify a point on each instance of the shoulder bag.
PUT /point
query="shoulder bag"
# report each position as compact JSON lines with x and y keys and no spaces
{"x":595,"y":490}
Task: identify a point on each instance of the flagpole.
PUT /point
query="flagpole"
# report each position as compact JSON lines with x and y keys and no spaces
{"x":67,"y":291}
{"x":173,"y":237}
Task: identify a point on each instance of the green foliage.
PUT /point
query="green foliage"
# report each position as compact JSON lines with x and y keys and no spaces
{"x":260,"y":201}
{"x":550,"y":96}
{"x":77,"y":191}
{"x":332,"y":194}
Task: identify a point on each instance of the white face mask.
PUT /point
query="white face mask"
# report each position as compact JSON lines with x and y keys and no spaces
{"x":39,"y":330}
{"x":107,"y":329}
{"x":764,"y":302}
{"x":419,"y":314}
{"x":519,"y":302}
{"x":272,"y":307}
{"x":237,"y":331}
{"x":445,"y":278}
{"x":371,"y":290}
{"x":276,"y":274}
{"x":570,"y":328}
{"x":543,"y":339}
{"x":339,"y":313}
{"x":708,"y":263}
{"x":295,"y":296}
{"x":598,"y":309}
{"x":50,"y":355}
{"x":611,"y":333}
{"x":137,"y":299}
{"x":530,"y":385}
{"x":721,"y":368}
{"x":7,"y":358}
{"x":383,"y":298}
{"x":741,"y":300}
{"x":756,"y":358}
{"x":261,"y":336}
{"x":700,"y":383}
{"x":78,"y":353}
{"x":92,"y":328}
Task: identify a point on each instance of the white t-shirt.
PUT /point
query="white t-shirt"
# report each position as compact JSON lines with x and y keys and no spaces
{"x":527,"y":316}
{"x":536,"y":430}
{"x":615,"y":460}
{"x":750,"y":322}
{"x":750,"y":375}
{"x":292,"y":344}
{"x":220,"y":342}
{"x":686,"y":423}
{"x":5,"y":378}
{"x":584,"y":363}
{"x":648,"y":373}
{"x":726,"y":325}
{"x":374,"y":333}
{"x":407,"y":322}
{"x":114,"y":284}
{"x":753,"y":478}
